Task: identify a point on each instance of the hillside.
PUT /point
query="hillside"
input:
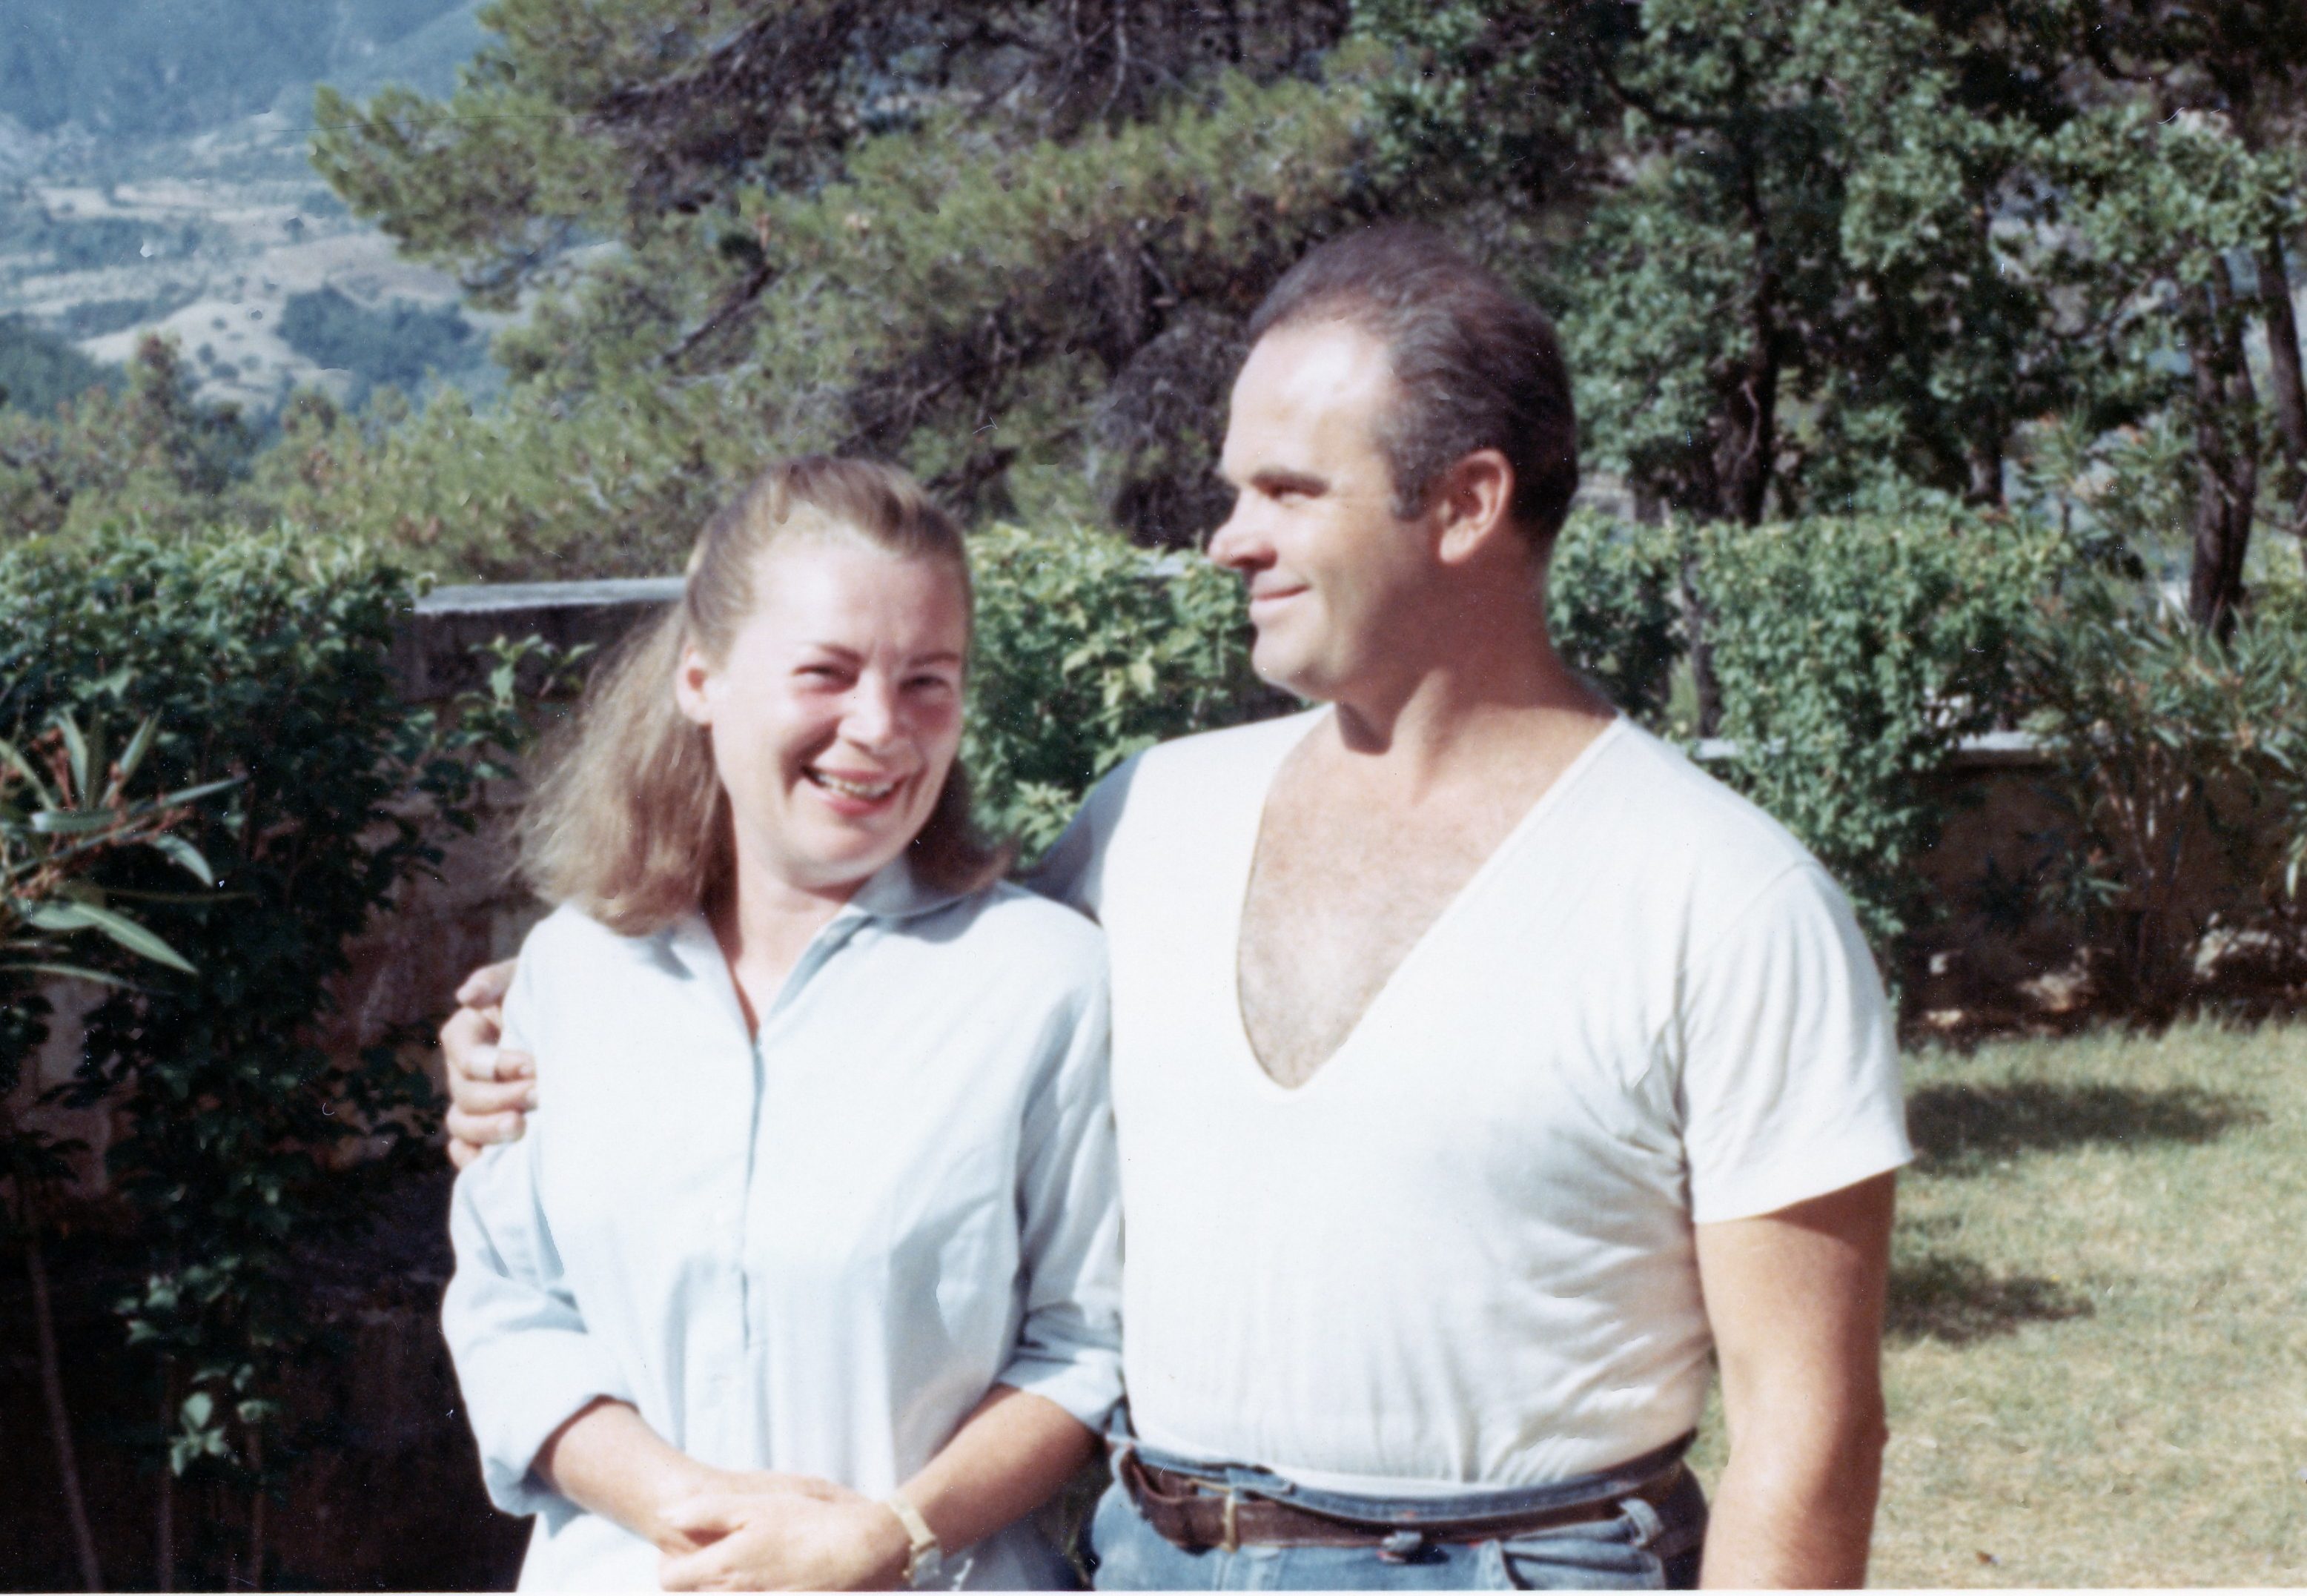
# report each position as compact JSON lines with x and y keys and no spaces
{"x":144,"y":69}
{"x":153,"y":176}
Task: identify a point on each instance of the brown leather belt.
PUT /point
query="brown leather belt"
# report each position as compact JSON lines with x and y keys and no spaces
{"x":1196,"y":1514}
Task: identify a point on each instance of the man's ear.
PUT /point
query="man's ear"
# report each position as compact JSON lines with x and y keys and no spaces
{"x":1472,"y":503}
{"x":688,"y":680}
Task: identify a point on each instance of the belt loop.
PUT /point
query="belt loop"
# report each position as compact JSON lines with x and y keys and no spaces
{"x":1232,"y":1541}
{"x":1404,"y":1545}
{"x":1648,"y":1522}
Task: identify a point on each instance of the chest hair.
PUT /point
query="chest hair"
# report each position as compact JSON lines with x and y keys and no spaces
{"x":1340,"y":889}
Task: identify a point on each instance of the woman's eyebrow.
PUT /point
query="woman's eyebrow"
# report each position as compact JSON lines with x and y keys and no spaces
{"x":849,"y":656}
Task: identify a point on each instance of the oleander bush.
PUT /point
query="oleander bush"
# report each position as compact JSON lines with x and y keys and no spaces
{"x":2177,"y":755}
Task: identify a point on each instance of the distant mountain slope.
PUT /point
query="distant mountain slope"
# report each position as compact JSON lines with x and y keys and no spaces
{"x":38,"y":370}
{"x":145,"y":68}
{"x":425,"y":58}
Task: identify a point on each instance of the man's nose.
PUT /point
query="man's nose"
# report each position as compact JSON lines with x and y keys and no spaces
{"x":1237,"y":544}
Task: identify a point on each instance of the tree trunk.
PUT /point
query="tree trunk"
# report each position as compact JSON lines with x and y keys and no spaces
{"x":2226,"y":475}
{"x":1746,"y":444}
{"x":2290,"y":395}
{"x":52,"y":1392}
{"x":1984,"y":464}
{"x":256,"y":1512}
{"x":164,"y":1549}
{"x":1696,"y":627}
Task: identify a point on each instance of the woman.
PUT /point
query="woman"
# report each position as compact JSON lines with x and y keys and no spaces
{"x":848,"y":1310}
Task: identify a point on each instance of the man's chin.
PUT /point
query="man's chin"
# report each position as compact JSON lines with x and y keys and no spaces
{"x":1292,"y":672}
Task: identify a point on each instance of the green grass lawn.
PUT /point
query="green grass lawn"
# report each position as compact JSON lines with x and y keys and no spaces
{"x":2097,"y":1350}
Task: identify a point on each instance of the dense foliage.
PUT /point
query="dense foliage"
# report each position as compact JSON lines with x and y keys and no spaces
{"x":148,"y":451}
{"x":1809,"y":256}
{"x":2182,"y":766}
{"x":1852,"y":655}
{"x":1089,"y":650}
{"x":260,"y":661}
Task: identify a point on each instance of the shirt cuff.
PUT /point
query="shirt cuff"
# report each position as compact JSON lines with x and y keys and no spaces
{"x":551,"y":1376}
{"x":1085,"y":1385}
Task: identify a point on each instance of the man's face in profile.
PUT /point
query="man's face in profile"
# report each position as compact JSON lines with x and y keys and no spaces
{"x":1313,"y":532}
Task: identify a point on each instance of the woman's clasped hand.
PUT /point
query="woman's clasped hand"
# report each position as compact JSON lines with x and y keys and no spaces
{"x":805,"y":1272}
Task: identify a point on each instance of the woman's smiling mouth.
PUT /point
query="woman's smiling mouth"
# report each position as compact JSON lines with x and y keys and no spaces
{"x":850,"y":787}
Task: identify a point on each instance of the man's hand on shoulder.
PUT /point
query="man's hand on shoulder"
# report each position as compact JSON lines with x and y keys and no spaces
{"x":490,"y":1088}
{"x":1795,"y":1301}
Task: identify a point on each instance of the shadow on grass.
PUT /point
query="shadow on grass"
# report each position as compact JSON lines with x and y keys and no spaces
{"x":1947,"y":1297}
{"x":1962,"y":1130}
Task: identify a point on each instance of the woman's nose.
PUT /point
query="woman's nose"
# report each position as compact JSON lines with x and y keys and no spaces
{"x":872,"y":721}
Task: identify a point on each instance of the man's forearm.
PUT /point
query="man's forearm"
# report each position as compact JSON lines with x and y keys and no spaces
{"x":1795,"y":1511}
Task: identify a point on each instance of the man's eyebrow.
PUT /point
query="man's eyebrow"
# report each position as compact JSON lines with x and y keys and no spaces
{"x":1276,"y":479}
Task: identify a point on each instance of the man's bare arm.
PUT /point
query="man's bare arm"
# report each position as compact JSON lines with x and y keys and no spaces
{"x":1795,"y":1301}
{"x":490,"y":1088}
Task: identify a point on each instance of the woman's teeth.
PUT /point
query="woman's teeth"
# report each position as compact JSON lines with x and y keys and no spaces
{"x":853,"y":789}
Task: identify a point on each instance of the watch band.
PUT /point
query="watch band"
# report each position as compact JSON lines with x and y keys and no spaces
{"x":924,"y":1556}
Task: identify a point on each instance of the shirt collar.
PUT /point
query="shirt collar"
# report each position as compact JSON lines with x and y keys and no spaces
{"x":895,"y":892}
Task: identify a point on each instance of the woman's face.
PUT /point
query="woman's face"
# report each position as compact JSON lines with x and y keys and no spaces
{"x":838,"y":712}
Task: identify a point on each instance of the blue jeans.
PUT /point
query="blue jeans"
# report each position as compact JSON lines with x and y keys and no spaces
{"x":1643,"y":1548}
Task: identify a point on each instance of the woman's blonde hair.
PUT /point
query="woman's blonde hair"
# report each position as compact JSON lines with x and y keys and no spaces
{"x":630,"y":821}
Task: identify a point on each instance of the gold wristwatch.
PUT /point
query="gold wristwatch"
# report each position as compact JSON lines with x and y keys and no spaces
{"x":923,"y":1556}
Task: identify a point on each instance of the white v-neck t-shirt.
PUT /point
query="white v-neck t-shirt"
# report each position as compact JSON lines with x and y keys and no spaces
{"x":1462,"y":1252}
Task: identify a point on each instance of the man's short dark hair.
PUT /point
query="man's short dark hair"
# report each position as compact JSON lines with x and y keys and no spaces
{"x":1478,"y":366}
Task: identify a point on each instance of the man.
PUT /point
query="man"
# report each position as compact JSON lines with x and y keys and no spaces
{"x":1479,"y":1065}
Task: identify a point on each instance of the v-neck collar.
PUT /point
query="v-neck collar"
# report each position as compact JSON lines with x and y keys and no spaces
{"x":1471,"y":889}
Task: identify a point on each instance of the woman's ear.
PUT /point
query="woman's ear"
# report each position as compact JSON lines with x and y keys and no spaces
{"x":691,"y":678}
{"x":1472,"y":505}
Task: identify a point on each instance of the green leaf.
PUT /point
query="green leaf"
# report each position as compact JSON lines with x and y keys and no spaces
{"x":73,"y":822}
{"x":127,"y":932}
{"x":23,"y":768}
{"x":76,"y":748}
{"x":186,"y":857}
{"x":138,"y":747}
{"x":68,"y":972}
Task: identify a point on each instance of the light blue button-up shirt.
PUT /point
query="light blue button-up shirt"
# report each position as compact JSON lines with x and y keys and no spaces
{"x":811,"y":1251}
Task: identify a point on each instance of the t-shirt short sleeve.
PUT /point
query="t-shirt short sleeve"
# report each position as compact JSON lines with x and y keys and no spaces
{"x":1073,"y":871}
{"x":1789,"y":1079}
